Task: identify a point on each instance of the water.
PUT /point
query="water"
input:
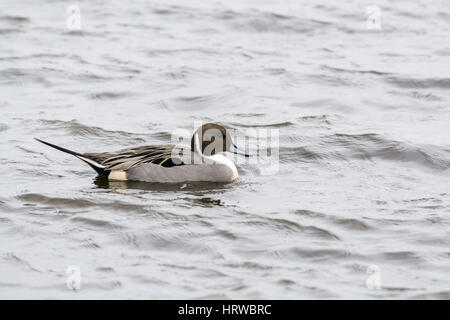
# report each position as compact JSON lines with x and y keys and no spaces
{"x":363,"y":117}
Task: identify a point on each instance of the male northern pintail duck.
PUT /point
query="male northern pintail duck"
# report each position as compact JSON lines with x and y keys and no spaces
{"x":204,"y":161}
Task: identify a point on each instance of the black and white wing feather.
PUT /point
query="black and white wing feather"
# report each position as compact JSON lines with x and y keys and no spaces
{"x":104,"y":162}
{"x":125,"y":159}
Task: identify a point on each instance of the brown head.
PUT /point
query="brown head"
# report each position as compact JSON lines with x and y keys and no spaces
{"x":211,"y":139}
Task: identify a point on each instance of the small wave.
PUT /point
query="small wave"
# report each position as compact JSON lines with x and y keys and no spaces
{"x":195,"y":50}
{"x":275,"y":71}
{"x":425,"y":96}
{"x":109,"y":95}
{"x":343,"y":147}
{"x":269,"y":22}
{"x":352,"y":71}
{"x":84,"y":33}
{"x":6,"y":31}
{"x":74,"y":128}
{"x":324,"y":118}
{"x":107,"y":286}
{"x":443,"y":52}
{"x":38,"y":198}
{"x":402,"y":256}
{"x":5,"y":221}
{"x":347,"y":223}
{"x":300,"y":154}
{"x":335,"y":80}
{"x":35,"y":198}
{"x":96,"y":223}
{"x":369,"y":146}
{"x":430,"y":83}
{"x":286,"y":225}
{"x":164,"y":11}
{"x":248,"y":115}
{"x":33,"y":56}
{"x":440,"y":295}
{"x":315,"y":254}
{"x":105,"y":269}
{"x":12,"y":257}
{"x":89,"y":244}
{"x":268,"y":125}
{"x":18,"y":19}
{"x":15,"y":75}
{"x":252,"y":265}
{"x":45,"y":76}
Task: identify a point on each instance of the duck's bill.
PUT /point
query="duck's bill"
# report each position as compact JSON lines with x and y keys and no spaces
{"x":234,"y":149}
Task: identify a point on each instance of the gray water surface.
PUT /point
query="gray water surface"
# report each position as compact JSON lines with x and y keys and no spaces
{"x":363,"y":117}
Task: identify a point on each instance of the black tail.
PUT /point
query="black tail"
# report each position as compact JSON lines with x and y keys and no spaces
{"x":76,"y":154}
{"x":96,"y":166}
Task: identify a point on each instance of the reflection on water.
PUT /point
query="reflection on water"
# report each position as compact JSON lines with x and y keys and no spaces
{"x":208,"y":187}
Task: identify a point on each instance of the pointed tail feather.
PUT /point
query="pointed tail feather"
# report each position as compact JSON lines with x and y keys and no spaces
{"x":95,"y":165}
{"x":76,"y":154}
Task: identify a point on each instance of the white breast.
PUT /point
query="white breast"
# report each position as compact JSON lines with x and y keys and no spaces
{"x":221,"y":159}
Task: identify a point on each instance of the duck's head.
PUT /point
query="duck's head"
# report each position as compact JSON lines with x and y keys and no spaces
{"x":211,"y":139}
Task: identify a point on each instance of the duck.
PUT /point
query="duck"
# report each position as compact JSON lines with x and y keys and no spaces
{"x":204,"y":161}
